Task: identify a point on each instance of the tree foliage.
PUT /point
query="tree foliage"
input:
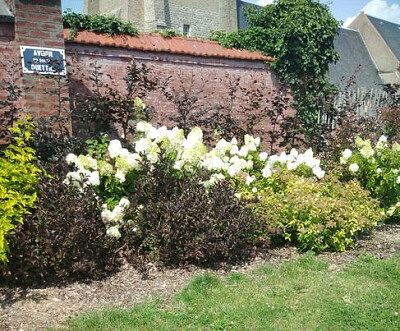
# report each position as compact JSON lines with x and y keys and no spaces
{"x":300,"y":35}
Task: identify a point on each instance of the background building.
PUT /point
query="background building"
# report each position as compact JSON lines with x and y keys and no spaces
{"x":382,"y":39}
{"x":188,"y":17}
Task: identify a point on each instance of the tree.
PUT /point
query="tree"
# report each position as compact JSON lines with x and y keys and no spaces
{"x":300,"y":35}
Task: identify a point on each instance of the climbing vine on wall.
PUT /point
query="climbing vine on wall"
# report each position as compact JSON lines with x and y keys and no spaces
{"x":97,"y":23}
{"x":300,"y":35}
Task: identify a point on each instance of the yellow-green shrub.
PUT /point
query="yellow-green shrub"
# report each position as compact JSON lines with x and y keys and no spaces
{"x":316,"y":215}
{"x":19,"y":176}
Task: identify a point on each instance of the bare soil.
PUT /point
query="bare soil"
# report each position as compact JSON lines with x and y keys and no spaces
{"x":37,"y":309}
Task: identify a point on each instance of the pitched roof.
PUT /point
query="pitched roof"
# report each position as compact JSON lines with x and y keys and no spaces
{"x":390,"y":32}
{"x":157,"y":43}
{"x":5,"y":14}
{"x":354,"y":60}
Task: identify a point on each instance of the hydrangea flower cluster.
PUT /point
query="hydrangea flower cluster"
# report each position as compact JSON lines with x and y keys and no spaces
{"x":114,"y":219}
{"x":377,"y":169}
{"x":226,"y":160}
{"x":293,"y":161}
{"x":86,"y":174}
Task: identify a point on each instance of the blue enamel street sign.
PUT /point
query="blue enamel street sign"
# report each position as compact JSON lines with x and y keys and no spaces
{"x":45,"y":61}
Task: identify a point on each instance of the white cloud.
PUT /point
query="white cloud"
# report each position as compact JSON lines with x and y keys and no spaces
{"x":264,"y":2}
{"x":348,"y":20}
{"x":380,"y":9}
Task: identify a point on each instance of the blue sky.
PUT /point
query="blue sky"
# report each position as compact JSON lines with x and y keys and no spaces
{"x":343,"y":10}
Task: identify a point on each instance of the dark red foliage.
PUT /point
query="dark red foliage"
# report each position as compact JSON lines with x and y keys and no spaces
{"x":62,"y":240}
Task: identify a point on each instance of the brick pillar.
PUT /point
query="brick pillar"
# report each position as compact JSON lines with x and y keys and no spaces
{"x":39,"y":23}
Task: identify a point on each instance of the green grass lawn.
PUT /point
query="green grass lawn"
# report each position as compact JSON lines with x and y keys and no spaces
{"x":301,"y":295}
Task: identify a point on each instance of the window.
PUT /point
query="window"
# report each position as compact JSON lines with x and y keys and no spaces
{"x":186,"y":29}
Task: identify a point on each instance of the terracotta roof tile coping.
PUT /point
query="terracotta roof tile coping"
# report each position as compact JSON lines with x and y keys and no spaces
{"x":157,"y":43}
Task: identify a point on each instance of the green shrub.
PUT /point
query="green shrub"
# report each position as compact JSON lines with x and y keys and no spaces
{"x":176,"y":220}
{"x":377,"y":167}
{"x":316,"y":215}
{"x":63,"y":239}
{"x":19,"y":176}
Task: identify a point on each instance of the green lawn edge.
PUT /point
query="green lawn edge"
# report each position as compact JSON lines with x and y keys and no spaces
{"x":300,"y":295}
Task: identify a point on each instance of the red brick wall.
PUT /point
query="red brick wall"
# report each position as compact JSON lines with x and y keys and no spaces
{"x":207,"y":79}
{"x":37,"y":23}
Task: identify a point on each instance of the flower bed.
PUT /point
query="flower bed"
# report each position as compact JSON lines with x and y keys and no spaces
{"x":168,"y":197}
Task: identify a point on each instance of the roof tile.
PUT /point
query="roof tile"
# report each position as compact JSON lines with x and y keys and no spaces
{"x":158,"y":43}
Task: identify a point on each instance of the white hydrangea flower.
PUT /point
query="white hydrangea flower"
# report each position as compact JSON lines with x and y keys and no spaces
{"x":119,"y":213}
{"x":223,"y":146}
{"x":220,"y":176}
{"x":252,"y":142}
{"x":113,"y":231}
{"x":398,"y":180}
{"x":215,"y":178}
{"x":134,"y":161}
{"x":359,"y":142}
{"x":354,"y":167}
{"x":105,"y":168}
{"x":234,"y":169}
{"x":124,"y":203}
{"x":237,"y":195}
{"x":143,"y":127}
{"x":73,"y":178}
{"x":263,"y":156}
{"x":107,"y":216}
{"x":267,"y":172}
{"x":213,"y":163}
{"x":382,"y":143}
{"x":120,"y":175}
{"x":194,"y":137}
{"x":124,"y":153}
{"x":294,"y":153}
{"x":292,"y":166}
{"x":254,"y":190}
{"x":159,"y":133}
{"x":143,"y":145}
{"x":152,"y":157}
{"x":71,"y":158}
{"x":85,"y":162}
{"x":178,"y":165}
{"x":347,"y":153}
{"x":94,"y":178}
{"x":244,"y":151}
{"x":234,"y":150}
{"x":379,"y":170}
{"x":367,"y":151}
{"x":318,"y":172}
{"x":382,"y":139}
{"x":250,"y":179}
{"x":114,"y":148}
{"x":282,"y":158}
{"x":249,"y":164}
{"x":176,"y":137}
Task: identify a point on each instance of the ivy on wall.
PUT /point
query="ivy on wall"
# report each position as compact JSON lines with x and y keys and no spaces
{"x":97,"y":23}
{"x":300,"y":35}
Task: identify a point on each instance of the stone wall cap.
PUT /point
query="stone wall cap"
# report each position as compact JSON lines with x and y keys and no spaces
{"x":154,"y":42}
